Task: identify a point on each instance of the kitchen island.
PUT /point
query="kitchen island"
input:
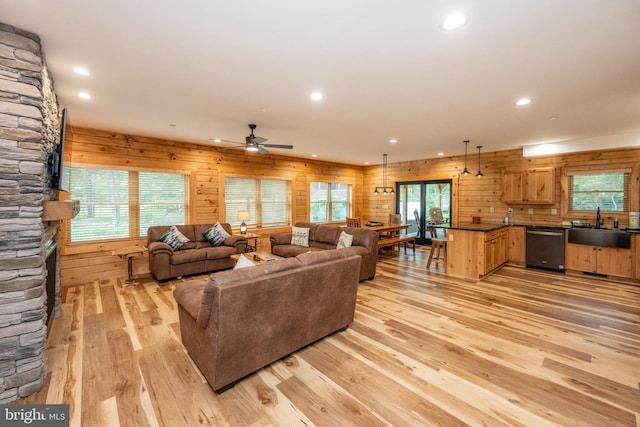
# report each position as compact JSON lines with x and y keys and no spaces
{"x":475,"y":250}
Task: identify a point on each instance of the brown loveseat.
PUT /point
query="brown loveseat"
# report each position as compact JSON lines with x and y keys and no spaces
{"x":323,"y":237}
{"x":239,"y":321}
{"x":196,"y":256}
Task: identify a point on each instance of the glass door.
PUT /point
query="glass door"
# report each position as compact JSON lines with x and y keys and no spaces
{"x":422,"y":204}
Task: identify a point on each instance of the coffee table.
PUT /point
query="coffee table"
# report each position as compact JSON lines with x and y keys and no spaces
{"x":256,"y":257}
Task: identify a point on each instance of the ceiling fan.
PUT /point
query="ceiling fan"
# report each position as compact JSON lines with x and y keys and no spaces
{"x":257,"y":143}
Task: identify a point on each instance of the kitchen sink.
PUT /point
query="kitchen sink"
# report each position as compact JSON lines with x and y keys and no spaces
{"x":600,"y":237}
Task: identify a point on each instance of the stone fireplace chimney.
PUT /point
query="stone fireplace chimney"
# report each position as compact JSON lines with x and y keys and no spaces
{"x":29,"y":132}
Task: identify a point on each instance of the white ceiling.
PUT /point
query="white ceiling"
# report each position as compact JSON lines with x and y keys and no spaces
{"x":386,"y":69}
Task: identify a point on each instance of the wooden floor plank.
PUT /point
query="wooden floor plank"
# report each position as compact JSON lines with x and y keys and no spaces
{"x":519,"y":348}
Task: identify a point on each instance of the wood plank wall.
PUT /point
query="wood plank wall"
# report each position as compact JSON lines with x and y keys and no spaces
{"x":474,"y":196}
{"x":208,"y":165}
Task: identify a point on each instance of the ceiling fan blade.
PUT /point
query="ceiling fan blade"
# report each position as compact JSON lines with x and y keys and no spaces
{"x":289,"y":147}
{"x":259,"y":139}
{"x":261,"y":150}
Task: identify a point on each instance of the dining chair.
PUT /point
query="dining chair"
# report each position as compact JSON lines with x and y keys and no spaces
{"x":353,"y":222}
{"x":416,"y":214}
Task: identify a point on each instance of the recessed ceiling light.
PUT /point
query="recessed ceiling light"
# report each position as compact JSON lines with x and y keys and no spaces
{"x":554,"y":118}
{"x":366,"y":163}
{"x":81,"y":70}
{"x":84,"y":95}
{"x":316,"y":96}
{"x":454,"y":21}
{"x":216,"y":140}
{"x":440,"y":154}
{"x":523,"y":101}
{"x":314,"y":155}
{"x":393,"y":140}
{"x":172,"y":125}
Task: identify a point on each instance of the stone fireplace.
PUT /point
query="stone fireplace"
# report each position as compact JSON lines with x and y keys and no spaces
{"x":29,"y":132}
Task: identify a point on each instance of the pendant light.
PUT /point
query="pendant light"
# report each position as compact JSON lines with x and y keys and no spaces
{"x":384,"y":189}
{"x":479,"y":174}
{"x":465,"y":171}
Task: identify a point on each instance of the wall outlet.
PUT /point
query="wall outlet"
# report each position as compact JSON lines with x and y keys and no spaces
{"x":554,"y":211}
{"x":451,"y":237}
{"x":510,"y":210}
{"x":491,"y":209}
{"x":385,"y":206}
{"x":530,"y":211}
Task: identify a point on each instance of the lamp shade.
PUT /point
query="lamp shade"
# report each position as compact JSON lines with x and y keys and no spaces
{"x":244,"y":216}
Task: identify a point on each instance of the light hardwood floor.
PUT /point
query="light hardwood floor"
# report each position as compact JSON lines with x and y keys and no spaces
{"x":519,"y":348}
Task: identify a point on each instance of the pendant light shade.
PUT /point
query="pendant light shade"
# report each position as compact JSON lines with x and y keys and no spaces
{"x":384,"y":189}
{"x":479,"y":174}
{"x":465,"y":171}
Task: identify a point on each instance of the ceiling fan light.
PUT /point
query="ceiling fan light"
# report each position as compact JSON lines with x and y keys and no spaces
{"x":252,"y":148}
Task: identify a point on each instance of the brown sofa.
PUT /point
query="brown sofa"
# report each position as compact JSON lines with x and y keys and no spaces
{"x":323,"y":237}
{"x":241,"y":320}
{"x":196,"y":256}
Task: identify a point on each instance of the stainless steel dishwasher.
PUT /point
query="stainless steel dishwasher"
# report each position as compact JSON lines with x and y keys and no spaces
{"x":545,"y":248}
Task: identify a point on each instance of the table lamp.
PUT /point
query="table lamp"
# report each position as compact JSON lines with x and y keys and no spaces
{"x":243,"y":216}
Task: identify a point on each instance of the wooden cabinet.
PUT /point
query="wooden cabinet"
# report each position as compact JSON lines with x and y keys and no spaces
{"x":600,"y":260}
{"x":534,"y":186}
{"x":495,"y":250}
{"x":516,"y":244}
{"x":472,"y":254}
{"x":635,"y":248}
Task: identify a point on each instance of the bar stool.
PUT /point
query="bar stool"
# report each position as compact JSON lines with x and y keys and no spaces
{"x":438,"y":252}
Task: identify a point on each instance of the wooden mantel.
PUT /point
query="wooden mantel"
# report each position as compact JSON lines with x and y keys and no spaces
{"x":56,"y":210}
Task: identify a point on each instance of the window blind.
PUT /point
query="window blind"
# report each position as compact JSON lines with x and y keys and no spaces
{"x":123,"y":204}
{"x":607,"y":190}
{"x":267,"y":200}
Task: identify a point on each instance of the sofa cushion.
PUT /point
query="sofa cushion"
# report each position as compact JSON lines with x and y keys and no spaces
{"x":328,"y":234}
{"x":188,"y":255}
{"x":345,"y":240}
{"x":288,"y":251}
{"x":323,"y":256}
{"x":218,"y":252}
{"x":300,"y":236}
{"x":216,"y":234}
{"x":174,"y":238}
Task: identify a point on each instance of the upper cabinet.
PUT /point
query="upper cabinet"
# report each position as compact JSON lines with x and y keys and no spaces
{"x":534,"y":185}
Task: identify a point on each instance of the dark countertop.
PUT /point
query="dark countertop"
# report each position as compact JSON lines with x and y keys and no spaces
{"x":492,"y":226}
{"x":477,"y":227}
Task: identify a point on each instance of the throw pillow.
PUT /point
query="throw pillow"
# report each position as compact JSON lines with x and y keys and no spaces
{"x":216,"y":235}
{"x":345,"y":240}
{"x":300,"y":236}
{"x":243,"y":262}
{"x":174,"y":238}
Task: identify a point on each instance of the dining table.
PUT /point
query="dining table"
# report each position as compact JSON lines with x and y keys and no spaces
{"x":387,"y":229}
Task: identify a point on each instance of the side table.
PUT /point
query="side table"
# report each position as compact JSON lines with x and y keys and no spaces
{"x":254,"y":237}
{"x":129,"y":253}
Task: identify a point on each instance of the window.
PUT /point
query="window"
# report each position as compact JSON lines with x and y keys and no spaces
{"x":329,"y":201}
{"x":124,"y":204}
{"x":607,"y":190}
{"x":267,"y":200}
